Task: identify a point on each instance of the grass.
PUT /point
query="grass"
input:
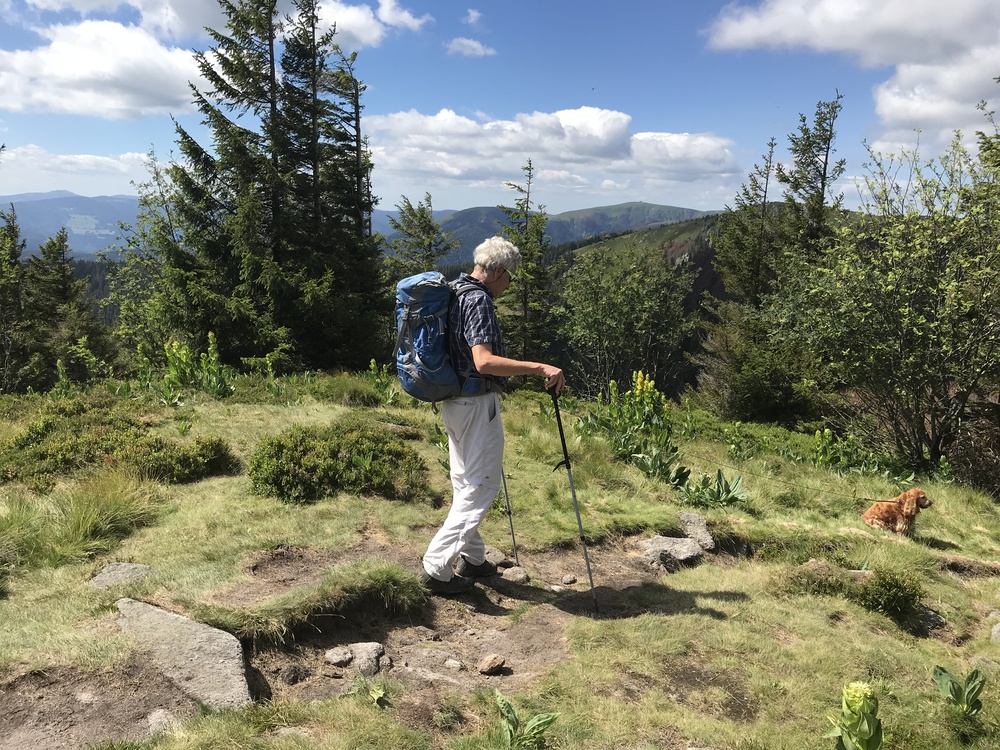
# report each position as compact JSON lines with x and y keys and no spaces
{"x":723,"y":656}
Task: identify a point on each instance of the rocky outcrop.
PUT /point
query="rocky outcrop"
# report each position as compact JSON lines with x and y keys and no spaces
{"x":204,"y":662}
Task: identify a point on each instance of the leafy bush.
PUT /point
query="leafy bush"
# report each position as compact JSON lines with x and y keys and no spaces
{"x":639,"y":429}
{"x":303,"y":464}
{"x":894,"y":594}
{"x":719,"y":493}
{"x":175,"y":463}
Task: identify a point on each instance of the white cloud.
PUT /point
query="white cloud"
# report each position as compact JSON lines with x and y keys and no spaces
{"x":391,"y":14}
{"x":97,"y":68}
{"x":576,"y":153}
{"x":877,"y":32}
{"x":33,"y":169}
{"x":944,"y":55}
{"x":472,"y":17}
{"x":460,"y":45}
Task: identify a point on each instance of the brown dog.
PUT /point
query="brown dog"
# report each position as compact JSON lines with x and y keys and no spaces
{"x":898,"y":514}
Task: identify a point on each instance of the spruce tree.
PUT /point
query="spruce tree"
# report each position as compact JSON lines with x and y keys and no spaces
{"x":420,"y":243}
{"x":270,"y":246}
{"x":59,"y":322}
{"x":529,"y":309}
{"x":11,"y":247}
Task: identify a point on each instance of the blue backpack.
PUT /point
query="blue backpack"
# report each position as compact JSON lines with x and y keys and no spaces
{"x":422,"y":361}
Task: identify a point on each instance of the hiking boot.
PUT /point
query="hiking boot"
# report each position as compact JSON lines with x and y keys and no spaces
{"x":482,"y":570}
{"x":456,"y":585}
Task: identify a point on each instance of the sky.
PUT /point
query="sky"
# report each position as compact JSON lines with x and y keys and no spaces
{"x":663,"y":101}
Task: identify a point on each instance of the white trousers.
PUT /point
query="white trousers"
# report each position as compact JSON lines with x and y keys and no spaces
{"x":475,"y":449}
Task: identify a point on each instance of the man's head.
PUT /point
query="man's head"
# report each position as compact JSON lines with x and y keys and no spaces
{"x":495,"y":254}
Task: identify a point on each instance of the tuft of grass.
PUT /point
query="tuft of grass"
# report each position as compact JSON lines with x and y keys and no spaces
{"x":75,"y":522}
{"x":348,"y":587}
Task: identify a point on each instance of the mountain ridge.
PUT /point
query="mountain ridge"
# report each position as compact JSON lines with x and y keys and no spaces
{"x":92,"y":223}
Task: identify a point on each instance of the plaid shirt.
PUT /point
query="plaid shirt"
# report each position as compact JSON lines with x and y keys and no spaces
{"x":472,"y":321}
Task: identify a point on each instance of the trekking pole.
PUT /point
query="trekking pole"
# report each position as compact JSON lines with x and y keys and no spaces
{"x":510,"y":516}
{"x":572,"y":489}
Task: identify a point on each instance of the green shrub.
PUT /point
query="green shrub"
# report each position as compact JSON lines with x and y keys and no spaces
{"x":896,"y":595}
{"x":303,"y":464}
{"x":893,"y":594}
{"x":346,"y":389}
{"x":70,"y":435}
{"x":176,"y":463}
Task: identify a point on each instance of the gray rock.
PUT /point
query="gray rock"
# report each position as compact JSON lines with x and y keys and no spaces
{"x":366,"y":657}
{"x":569,"y":579}
{"x":161,"y":720}
{"x":119,"y":572}
{"x":338,"y":657}
{"x":204,"y":662}
{"x":490,"y":664}
{"x":995,"y":633}
{"x":695,"y":527}
{"x":670,"y":553}
{"x":987,"y":665}
{"x":454,"y":664}
{"x":497,"y":557}
{"x":516,"y":575}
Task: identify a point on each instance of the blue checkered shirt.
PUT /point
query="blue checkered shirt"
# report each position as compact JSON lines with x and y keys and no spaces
{"x":472,"y":320}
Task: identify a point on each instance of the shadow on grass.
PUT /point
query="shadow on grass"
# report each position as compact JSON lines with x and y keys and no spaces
{"x":646,"y":598}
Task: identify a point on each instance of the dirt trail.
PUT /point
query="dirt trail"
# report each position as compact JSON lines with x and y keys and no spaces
{"x":433,"y":653}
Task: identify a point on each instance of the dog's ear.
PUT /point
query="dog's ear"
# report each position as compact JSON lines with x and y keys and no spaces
{"x":908,"y":502}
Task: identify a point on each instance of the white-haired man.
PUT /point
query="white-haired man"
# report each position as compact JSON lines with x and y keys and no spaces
{"x":475,"y":433}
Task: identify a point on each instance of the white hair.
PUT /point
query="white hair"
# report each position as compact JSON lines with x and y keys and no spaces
{"x":495,"y":252}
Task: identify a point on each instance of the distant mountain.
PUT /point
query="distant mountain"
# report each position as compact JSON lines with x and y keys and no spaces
{"x":471,"y":226}
{"x":92,"y":223}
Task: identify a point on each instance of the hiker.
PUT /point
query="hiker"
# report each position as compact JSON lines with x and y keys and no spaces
{"x":475,"y":434}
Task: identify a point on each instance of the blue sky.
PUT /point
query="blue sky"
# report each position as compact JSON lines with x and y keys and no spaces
{"x":663,"y":101}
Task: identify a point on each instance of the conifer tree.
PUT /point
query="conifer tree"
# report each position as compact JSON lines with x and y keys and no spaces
{"x":11,"y":247}
{"x":58,"y":322}
{"x":421,"y":243}
{"x":270,"y":244}
{"x":529,"y":309}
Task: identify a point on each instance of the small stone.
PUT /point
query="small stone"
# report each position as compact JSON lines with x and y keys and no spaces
{"x":119,"y":572}
{"x":516,"y":575}
{"x":454,"y":664}
{"x":161,"y":720}
{"x":491,"y":664}
{"x":569,"y":579}
{"x":339,"y":657}
{"x":995,"y":633}
{"x":366,"y":657}
{"x":497,"y":557}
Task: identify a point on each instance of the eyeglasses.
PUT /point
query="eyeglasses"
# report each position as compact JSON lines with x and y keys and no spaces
{"x":509,"y":274}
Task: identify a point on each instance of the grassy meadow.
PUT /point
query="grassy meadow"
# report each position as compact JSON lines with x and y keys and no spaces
{"x":747,"y":650}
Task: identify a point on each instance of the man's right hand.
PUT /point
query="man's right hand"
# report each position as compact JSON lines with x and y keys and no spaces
{"x":554,"y":378}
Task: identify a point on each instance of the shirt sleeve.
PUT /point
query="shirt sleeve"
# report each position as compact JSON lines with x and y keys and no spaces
{"x":481,"y":326}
